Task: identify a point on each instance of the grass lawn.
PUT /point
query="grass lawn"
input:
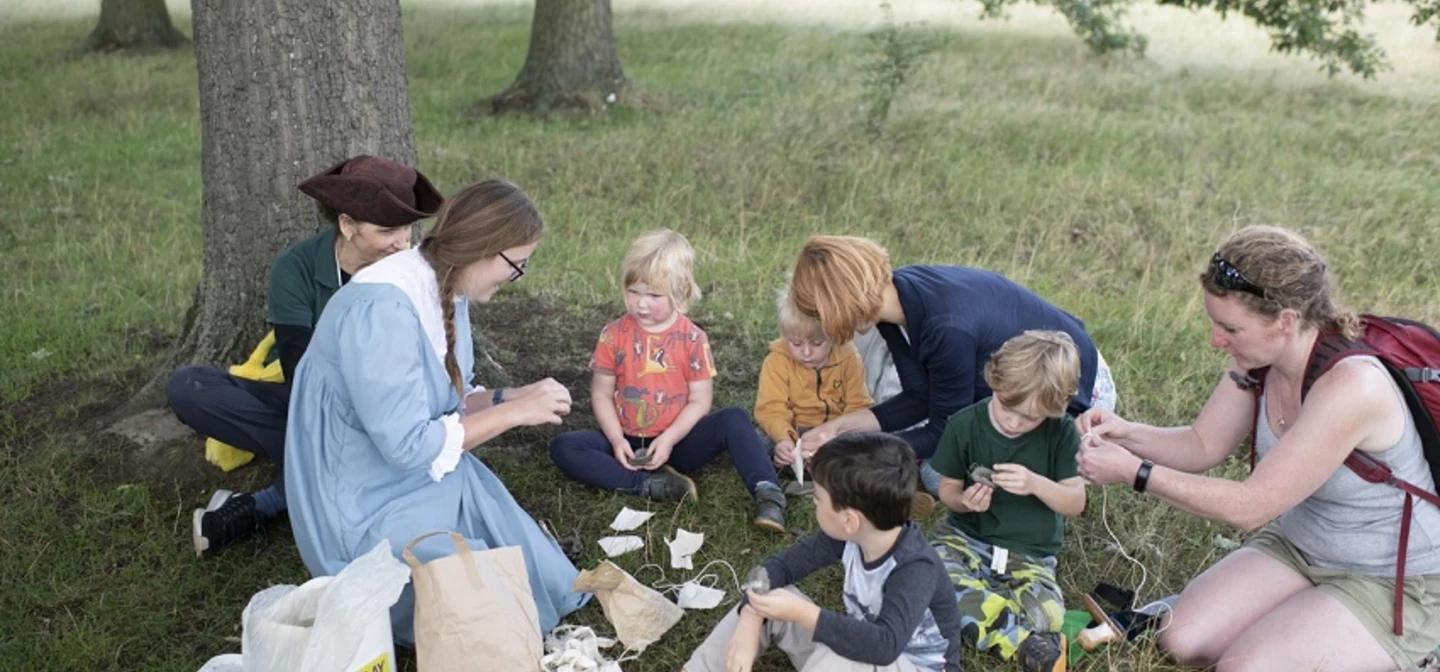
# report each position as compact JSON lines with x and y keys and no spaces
{"x":1102,"y":184}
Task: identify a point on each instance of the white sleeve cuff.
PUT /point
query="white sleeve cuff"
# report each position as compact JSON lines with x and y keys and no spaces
{"x":449,"y":455}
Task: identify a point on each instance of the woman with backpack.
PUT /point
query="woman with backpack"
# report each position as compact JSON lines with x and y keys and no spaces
{"x":1315,"y":587}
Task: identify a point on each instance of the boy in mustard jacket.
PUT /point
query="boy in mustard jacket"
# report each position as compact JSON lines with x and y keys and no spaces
{"x":804,"y":381}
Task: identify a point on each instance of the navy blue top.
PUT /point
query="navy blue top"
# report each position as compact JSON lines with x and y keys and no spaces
{"x":956,"y":317}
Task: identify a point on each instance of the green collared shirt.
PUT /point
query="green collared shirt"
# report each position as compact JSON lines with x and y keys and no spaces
{"x":302,"y":280}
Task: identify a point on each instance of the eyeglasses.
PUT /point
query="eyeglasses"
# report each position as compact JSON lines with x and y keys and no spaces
{"x":519,"y":269}
{"x":1231,"y":279}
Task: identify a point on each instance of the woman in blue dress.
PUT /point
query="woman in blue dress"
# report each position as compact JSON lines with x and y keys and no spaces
{"x":382,"y":415}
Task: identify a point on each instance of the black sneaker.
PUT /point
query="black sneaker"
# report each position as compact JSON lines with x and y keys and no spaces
{"x":1042,"y":652}
{"x":769,"y":507}
{"x":668,"y":485}
{"x":229,"y":518}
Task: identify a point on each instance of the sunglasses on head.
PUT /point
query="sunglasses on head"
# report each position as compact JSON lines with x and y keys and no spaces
{"x":1231,"y":279}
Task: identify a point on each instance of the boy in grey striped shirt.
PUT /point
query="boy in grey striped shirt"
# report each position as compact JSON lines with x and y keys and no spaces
{"x":900,"y":607}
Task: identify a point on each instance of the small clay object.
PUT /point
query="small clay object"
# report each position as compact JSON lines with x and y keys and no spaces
{"x":980,"y":473}
{"x":641,"y":458}
{"x":757,"y":581}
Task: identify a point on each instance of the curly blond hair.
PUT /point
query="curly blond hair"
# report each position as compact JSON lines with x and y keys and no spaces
{"x":1289,"y":271}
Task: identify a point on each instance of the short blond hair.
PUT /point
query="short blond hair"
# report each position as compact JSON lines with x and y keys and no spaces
{"x":1038,"y":366}
{"x":792,"y":323}
{"x":664,"y":260}
{"x":840,"y":281}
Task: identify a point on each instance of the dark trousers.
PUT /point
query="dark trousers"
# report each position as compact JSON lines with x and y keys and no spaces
{"x":247,"y":414}
{"x":585,"y":454}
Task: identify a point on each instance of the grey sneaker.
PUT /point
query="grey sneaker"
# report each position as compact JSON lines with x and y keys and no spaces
{"x":769,"y":507}
{"x":668,"y":485}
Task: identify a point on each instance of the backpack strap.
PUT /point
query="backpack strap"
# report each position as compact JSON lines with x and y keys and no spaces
{"x":1372,"y":470}
{"x":1254,"y":382}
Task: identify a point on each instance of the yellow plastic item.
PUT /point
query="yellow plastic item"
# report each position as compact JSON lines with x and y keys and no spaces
{"x":224,"y":455}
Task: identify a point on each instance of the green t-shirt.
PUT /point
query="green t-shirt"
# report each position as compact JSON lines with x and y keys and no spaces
{"x":302,"y":280}
{"x":1022,"y":524}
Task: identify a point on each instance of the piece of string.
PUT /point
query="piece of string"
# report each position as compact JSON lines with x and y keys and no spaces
{"x":665,"y":587}
{"x":1144,"y":573}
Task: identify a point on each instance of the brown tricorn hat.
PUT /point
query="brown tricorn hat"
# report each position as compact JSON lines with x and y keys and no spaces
{"x":375,"y":190}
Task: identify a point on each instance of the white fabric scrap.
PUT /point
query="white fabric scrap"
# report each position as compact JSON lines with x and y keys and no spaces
{"x":629,"y":519}
{"x":621,"y":545}
{"x":684,"y":545}
{"x":695,"y":596}
{"x":571,"y":648}
{"x":799,"y":464}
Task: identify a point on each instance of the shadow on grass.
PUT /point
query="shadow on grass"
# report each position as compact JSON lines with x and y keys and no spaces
{"x":98,"y":526}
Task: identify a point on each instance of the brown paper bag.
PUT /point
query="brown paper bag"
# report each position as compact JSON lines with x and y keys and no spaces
{"x":640,"y":615}
{"x":474,"y":610}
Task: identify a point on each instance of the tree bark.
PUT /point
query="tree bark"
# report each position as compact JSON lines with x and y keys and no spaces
{"x":572,"y":62}
{"x":287,"y":89}
{"x":134,"y":24}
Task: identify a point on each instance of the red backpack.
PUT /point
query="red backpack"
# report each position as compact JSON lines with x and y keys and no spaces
{"x":1410,"y":351}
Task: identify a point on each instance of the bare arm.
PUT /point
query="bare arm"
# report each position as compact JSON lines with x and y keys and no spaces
{"x":602,"y":403}
{"x":1222,"y":425}
{"x":697,"y":405}
{"x":1066,"y":498}
{"x":1352,"y":406}
{"x":856,"y":421}
{"x":546,"y":403}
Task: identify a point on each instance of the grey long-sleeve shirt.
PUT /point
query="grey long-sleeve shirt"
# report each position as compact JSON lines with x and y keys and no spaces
{"x":902,"y":603}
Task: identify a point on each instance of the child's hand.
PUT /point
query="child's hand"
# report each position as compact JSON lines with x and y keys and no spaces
{"x":623,"y":454}
{"x":660,"y":450}
{"x":1014,"y":479}
{"x":744,"y":645}
{"x":782,"y":605}
{"x":976,"y":498}
{"x":784,"y":453}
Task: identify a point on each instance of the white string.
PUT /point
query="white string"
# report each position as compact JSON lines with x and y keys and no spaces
{"x":1144,"y":573}
{"x":665,"y":587}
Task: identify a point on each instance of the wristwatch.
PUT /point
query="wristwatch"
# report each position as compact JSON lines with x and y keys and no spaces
{"x":1142,"y":476}
{"x":499,"y":396}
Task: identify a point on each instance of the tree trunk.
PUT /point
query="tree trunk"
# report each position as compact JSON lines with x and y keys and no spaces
{"x":572,"y":62}
{"x":134,"y":24}
{"x":287,"y":89}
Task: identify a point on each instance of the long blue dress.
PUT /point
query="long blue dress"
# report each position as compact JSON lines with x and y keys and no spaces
{"x":366,"y":425}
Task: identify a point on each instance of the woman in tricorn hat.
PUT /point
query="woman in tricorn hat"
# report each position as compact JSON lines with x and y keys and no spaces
{"x":370,"y":204}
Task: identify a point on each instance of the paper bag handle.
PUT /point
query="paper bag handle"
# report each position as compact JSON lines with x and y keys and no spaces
{"x":466,"y":556}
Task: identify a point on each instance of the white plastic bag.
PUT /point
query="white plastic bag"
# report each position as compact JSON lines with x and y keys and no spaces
{"x":335,"y":623}
{"x":230,"y":662}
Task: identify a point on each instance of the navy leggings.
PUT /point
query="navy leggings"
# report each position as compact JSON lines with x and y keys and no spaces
{"x":247,"y":414}
{"x":585,"y":454}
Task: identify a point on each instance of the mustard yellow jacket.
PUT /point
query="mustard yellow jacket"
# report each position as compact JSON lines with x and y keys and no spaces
{"x":792,"y":396}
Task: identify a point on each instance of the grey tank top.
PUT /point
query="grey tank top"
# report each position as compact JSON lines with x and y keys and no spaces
{"x":1353,"y":525}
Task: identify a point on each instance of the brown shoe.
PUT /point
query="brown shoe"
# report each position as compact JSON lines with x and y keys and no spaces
{"x":921,"y":506}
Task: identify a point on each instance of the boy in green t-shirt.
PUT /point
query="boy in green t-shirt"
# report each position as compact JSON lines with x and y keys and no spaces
{"x":1008,"y":476}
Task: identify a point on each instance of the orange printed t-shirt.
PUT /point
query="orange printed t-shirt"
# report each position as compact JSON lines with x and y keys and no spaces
{"x":653,"y":371}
